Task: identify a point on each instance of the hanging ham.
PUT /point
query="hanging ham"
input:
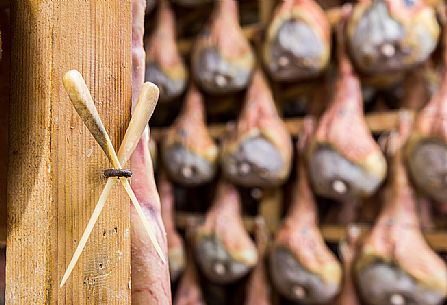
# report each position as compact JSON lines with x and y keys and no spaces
{"x":427,"y":147}
{"x":222,"y":59}
{"x":164,"y":65}
{"x":150,"y":275}
{"x":258,"y":285}
{"x":298,"y":42}
{"x":302,"y":267}
{"x":391,"y":35}
{"x":348,"y":251}
{"x":189,"y":291}
{"x":257,"y":152}
{"x":176,"y":251}
{"x":395,"y":265}
{"x":344,"y":160}
{"x":189,"y":153}
{"x":223,"y":249}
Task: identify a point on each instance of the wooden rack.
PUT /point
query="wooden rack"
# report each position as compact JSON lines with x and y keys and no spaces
{"x":377,"y":122}
{"x":271,"y":203}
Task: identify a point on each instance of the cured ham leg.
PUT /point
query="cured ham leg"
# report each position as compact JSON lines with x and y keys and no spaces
{"x":298,"y":42}
{"x":427,"y":147}
{"x":189,"y":291}
{"x":258,"y":286}
{"x":176,"y":251}
{"x":349,"y":250}
{"x":345,"y":162}
{"x":390,"y":35}
{"x":257,"y":153}
{"x":302,"y":267}
{"x":189,"y":152}
{"x":164,"y":65}
{"x":150,"y":275}
{"x":395,"y":265}
{"x":222,"y":59}
{"x":223,"y":249}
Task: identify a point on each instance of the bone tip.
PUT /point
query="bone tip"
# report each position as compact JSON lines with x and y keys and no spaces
{"x":283,"y":61}
{"x":220,"y":80}
{"x":354,"y":231}
{"x":219,"y":268}
{"x":299,"y":292}
{"x":187,"y":172}
{"x":244,"y":168}
{"x":339,"y":187}
{"x":388,"y":50}
{"x":397,"y":299}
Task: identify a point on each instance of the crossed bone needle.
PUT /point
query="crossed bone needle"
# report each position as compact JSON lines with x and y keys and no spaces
{"x":82,"y":101}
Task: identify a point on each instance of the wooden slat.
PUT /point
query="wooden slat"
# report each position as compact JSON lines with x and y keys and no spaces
{"x":377,"y":122}
{"x":55,"y":172}
{"x":4,"y":116}
{"x":185,"y":45}
{"x":331,"y":233}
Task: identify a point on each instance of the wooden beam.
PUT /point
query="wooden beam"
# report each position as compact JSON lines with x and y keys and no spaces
{"x":331,"y":233}
{"x":185,"y":45}
{"x":5,"y":60}
{"x":55,"y":164}
{"x":377,"y":122}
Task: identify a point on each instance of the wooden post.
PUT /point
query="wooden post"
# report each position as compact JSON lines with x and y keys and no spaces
{"x":5,"y":59}
{"x":55,"y":172}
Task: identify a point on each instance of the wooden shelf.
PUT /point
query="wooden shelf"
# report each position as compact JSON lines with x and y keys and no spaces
{"x":331,"y":233}
{"x":377,"y":122}
{"x":185,"y":45}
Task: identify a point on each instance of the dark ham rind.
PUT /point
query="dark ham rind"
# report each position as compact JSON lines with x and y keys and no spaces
{"x":150,"y":275}
{"x":298,"y":42}
{"x":390,"y":35}
{"x":150,"y":4}
{"x":189,"y":153}
{"x":222,"y":246}
{"x":259,"y":291}
{"x":176,"y":250}
{"x":222,"y":59}
{"x":395,"y":264}
{"x":257,"y":153}
{"x":164,"y":65}
{"x":345,"y":162}
{"x":426,"y":150}
{"x":348,"y":253}
{"x":302,"y":268}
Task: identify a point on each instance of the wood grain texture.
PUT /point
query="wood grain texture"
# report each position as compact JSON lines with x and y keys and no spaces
{"x":55,"y":164}
{"x":4,"y":115}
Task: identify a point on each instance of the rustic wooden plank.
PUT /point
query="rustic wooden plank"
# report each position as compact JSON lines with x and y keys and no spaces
{"x":5,"y":59}
{"x":266,"y":8}
{"x":270,"y":208}
{"x":377,"y":122}
{"x":437,"y":239}
{"x":185,"y":45}
{"x":55,"y":164}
